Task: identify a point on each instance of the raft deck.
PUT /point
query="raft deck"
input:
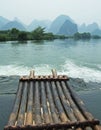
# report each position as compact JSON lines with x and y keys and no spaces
{"x":49,"y":102}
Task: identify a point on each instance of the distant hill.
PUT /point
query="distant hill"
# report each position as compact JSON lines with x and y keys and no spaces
{"x":92,"y":27}
{"x":82,"y":28}
{"x":13,"y":24}
{"x":96,"y":32}
{"x":36,"y":23}
{"x":88,"y":28}
{"x":68,"y":28}
{"x":18,"y":20}
{"x":3,"y":21}
{"x":61,"y":25}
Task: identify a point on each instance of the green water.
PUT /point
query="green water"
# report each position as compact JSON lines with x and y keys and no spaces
{"x":77,"y":59}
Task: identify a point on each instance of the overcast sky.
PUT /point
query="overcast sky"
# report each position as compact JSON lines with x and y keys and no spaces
{"x":80,"y":11}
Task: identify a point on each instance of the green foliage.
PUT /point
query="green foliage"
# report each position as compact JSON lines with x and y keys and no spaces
{"x":4,"y":35}
{"x":82,"y":35}
{"x":38,"y":33}
{"x":22,"y":36}
{"x":29,"y":36}
{"x":77,"y":35}
{"x":49,"y":36}
{"x":86,"y":35}
{"x":96,"y":37}
{"x":2,"y":38}
{"x":13,"y":33}
{"x":60,"y":37}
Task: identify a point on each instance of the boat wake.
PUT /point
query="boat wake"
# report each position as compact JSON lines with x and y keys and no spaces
{"x":69,"y":68}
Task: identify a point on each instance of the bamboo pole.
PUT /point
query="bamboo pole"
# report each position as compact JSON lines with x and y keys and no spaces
{"x":58,"y":104}
{"x":14,"y":114}
{"x":53,"y":111}
{"x":80,"y":103}
{"x":46,"y":116}
{"x":21,"y":116}
{"x":37,"y":105}
{"x":29,"y":116}
{"x":67,"y":108}
{"x":76,"y":111}
{"x":32,"y":73}
{"x":97,"y":127}
{"x":54,"y":73}
{"x":81,"y":106}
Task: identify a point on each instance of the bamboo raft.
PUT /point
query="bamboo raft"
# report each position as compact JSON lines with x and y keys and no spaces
{"x":49,"y":102}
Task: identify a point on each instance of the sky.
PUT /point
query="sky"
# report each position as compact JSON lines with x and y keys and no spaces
{"x":81,"y":11}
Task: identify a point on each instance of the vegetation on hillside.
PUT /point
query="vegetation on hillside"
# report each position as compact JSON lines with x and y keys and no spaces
{"x":39,"y":34}
{"x":85,"y":35}
{"x":15,"y":34}
{"x":82,"y":35}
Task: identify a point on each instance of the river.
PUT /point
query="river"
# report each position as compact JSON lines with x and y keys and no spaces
{"x":77,"y":59}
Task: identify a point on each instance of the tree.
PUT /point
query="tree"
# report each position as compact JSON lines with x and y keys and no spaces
{"x":14,"y":34}
{"x":2,"y":37}
{"x":82,"y":35}
{"x":38,"y":33}
{"x":96,"y":37}
{"x":22,"y":36}
{"x":86,"y":35}
{"x":14,"y":31}
{"x":49,"y":36}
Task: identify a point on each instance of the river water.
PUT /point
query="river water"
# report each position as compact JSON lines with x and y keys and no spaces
{"x":77,"y":59}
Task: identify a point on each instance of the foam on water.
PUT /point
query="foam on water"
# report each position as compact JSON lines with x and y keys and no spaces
{"x":8,"y":70}
{"x":99,"y":66}
{"x":69,"y":68}
{"x":78,"y":71}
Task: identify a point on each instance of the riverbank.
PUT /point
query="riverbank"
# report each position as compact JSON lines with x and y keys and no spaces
{"x":90,"y":93}
{"x":40,"y":34}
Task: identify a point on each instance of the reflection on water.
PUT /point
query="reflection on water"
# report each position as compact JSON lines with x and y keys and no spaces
{"x":8,"y":84}
{"x":6,"y":104}
{"x":17,"y":43}
{"x":92,"y":101}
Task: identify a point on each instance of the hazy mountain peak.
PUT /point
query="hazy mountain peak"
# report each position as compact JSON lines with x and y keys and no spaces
{"x":17,"y":19}
{"x":13,"y":24}
{"x":88,"y":28}
{"x":3,"y":21}
{"x":58,"y":22}
{"x":36,"y":23}
{"x":94,"y":24}
{"x":96,"y":32}
{"x":68,"y":28}
{"x":64,"y":17}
